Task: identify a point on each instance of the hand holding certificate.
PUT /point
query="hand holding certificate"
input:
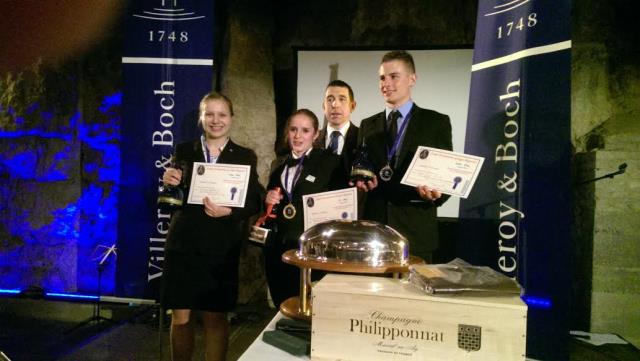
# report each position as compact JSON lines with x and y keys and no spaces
{"x":224,"y":184}
{"x":326,"y":206}
{"x":449,"y":172}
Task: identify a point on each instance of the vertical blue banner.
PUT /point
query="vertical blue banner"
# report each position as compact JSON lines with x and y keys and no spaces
{"x":167,"y":67}
{"x":517,"y":219}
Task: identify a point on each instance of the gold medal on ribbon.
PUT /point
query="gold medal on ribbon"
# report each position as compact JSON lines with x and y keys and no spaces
{"x":289,"y":211}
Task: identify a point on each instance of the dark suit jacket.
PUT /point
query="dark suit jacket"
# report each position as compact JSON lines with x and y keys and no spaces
{"x":191,"y":230}
{"x":348,"y":150}
{"x":321,"y":172}
{"x":395,"y":204}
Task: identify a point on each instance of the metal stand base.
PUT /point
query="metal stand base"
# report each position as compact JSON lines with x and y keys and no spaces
{"x":96,"y":318}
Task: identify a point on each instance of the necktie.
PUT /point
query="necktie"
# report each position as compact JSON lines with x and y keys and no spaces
{"x":333,"y":143}
{"x":392,"y":126}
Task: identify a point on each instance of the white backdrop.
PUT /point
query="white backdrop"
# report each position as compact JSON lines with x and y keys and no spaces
{"x":443,"y":85}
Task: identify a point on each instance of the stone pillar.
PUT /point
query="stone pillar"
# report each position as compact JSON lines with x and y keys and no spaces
{"x":247,"y":78}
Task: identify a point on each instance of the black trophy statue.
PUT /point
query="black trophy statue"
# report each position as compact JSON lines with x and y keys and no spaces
{"x":172,"y":197}
{"x":362,"y":168}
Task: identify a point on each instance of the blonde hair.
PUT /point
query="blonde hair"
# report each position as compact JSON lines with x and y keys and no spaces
{"x":214,"y":95}
{"x":401,"y":55}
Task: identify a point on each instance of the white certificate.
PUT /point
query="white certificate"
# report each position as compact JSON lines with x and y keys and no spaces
{"x":224,"y":184}
{"x":326,"y":206}
{"x":449,"y":172}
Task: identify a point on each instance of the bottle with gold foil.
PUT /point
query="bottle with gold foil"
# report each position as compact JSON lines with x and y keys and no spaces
{"x":362,"y":169}
{"x":172,"y":197}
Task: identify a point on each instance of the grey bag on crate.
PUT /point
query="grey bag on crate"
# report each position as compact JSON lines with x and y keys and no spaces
{"x":459,"y":276}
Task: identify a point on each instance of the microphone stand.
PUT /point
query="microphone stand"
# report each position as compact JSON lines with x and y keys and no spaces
{"x":621,"y":169}
{"x":96,"y":317}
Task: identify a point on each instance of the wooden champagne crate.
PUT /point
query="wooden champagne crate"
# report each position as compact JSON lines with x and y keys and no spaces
{"x":364,"y":318}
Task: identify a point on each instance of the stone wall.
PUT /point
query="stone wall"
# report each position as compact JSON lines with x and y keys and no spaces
{"x":40,"y":177}
{"x":606,"y":133}
{"x":59,"y":167}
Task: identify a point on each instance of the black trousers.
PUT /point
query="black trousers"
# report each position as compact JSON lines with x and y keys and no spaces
{"x":283,"y":279}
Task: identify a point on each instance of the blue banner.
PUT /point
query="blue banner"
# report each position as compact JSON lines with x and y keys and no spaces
{"x":167,"y":67}
{"x":517,"y":219}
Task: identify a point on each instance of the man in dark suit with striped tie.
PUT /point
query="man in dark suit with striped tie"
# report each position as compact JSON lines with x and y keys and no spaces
{"x":340,"y":135}
{"x":392,"y":137}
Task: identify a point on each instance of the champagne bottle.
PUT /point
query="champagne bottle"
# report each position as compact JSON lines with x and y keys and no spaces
{"x":362,"y":169}
{"x":172,"y":197}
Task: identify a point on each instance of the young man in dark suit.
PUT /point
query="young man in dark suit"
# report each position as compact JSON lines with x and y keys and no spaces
{"x":392,"y":138}
{"x":340,"y":135}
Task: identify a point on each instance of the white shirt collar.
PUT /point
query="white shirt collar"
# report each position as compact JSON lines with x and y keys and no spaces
{"x":205,"y":151}
{"x":305,"y":153}
{"x":343,"y":129}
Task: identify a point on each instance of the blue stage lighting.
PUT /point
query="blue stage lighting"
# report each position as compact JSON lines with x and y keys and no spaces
{"x":71,"y":296}
{"x":536,"y":302}
{"x":11,"y":292}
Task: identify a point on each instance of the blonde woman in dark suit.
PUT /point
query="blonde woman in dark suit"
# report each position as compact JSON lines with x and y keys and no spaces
{"x":203,"y":243}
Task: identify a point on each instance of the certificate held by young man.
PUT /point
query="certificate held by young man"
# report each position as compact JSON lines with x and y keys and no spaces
{"x":449,"y":172}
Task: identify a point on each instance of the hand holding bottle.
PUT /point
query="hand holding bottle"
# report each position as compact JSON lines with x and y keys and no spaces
{"x":172,"y":176}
